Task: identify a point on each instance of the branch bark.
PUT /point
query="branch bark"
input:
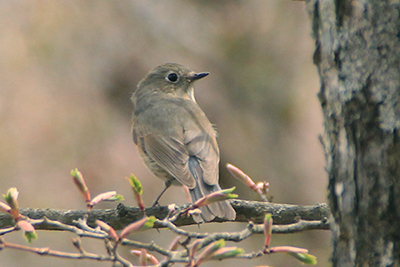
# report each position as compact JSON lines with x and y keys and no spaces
{"x":283,"y":214}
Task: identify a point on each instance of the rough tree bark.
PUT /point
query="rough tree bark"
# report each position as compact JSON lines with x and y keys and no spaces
{"x":357,"y":56}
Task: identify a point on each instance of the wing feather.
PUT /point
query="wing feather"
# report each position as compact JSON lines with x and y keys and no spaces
{"x":171,"y":155}
{"x":203,"y":145}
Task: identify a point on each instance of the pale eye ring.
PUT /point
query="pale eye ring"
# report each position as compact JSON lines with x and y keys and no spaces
{"x":172,"y":77}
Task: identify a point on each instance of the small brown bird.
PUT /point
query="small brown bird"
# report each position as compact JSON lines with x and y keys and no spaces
{"x":174,"y":137}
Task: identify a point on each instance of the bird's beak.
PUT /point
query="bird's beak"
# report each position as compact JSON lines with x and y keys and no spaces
{"x":197,"y":76}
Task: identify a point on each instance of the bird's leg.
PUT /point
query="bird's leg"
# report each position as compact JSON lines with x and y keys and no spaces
{"x":167,"y":185}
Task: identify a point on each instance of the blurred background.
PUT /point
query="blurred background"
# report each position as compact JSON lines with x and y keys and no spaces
{"x":68,"y":69}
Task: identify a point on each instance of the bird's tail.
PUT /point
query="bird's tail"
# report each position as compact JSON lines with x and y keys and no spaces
{"x":220,"y":209}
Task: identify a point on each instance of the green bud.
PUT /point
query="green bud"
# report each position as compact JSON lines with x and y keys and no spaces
{"x":304,"y":258}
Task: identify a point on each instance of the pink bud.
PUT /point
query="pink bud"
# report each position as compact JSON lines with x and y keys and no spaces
{"x":267,"y":229}
{"x":149,"y":257}
{"x":216,"y":196}
{"x":12,"y":200}
{"x":29,"y":230}
{"x":25,"y":226}
{"x":137,"y":188}
{"x":80,"y":183}
{"x":140,"y":225}
{"x":108,"y":229}
{"x":260,"y":188}
{"x":287,"y":249}
{"x":227,"y":252}
{"x":142,"y":257}
{"x":102,"y":197}
{"x":193,"y":249}
{"x":240,"y":175}
{"x":107,"y":196}
{"x":209,"y":251}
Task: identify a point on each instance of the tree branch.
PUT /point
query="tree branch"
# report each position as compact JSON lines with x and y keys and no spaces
{"x":205,"y":241}
{"x":246,"y":211}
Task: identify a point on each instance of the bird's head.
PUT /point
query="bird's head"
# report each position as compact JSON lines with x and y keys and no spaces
{"x":172,"y":78}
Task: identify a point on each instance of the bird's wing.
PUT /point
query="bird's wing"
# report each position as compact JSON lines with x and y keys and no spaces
{"x":201,"y":143}
{"x":168,"y":152}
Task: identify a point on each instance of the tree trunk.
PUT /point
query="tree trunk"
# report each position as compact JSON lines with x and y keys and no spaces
{"x":357,"y":56}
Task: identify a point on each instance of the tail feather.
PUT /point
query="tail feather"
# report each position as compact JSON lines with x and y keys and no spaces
{"x":220,"y":209}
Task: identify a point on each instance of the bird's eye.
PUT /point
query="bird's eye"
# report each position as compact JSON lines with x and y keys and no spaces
{"x":172,"y":77}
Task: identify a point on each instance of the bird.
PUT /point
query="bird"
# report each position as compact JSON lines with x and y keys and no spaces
{"x":174,"y":137}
